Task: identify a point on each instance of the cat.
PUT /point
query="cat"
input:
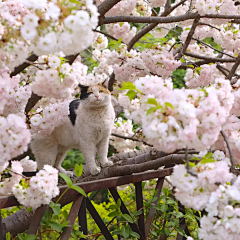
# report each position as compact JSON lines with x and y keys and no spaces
{"x":88,"y":128}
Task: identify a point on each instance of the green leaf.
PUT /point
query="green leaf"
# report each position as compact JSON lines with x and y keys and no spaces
{"x":209,"y":155}
{"x":154,"y":233}
{"x":113,"y":206}
{"x":178,"y":214}
{"x":138,"y":213}
{"x":171,"y":201}
{"x":166,"y":231}
{"x":134,"y":234}
{"x":29,"y":209}
{"x":163,"y":207}
{"x":114,"y":214}
{"x":119,"y":202}
{"x":207,"y":160}
{"x":182,"y":60}
{"x":191,"y":66}
{"x":194,"y":158}
{"x":167,"y":104}
{"x":131,"y":94}
{"x":153,"y":109}
{"x":65,"y":224}
{"x":78,"y":189}
{"x":66,"y":179}
{"x":74,"y":1}
{"x":55,"y":226}
{"x":8,"y":236}
{"x":125,"y":232}
{"x":128,"y":218}
{"x":152,"y":101}
{"x":55,"y":207}
{"x":191,"y":164}
{"x":78,"y":170}
{"x":181,"y":231}
{"x":128,"y":85}
{"x":116,"y":232}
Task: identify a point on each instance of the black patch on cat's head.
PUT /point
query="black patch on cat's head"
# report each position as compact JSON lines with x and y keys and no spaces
{"x":84,"y":93}
{"x":73,"y":106}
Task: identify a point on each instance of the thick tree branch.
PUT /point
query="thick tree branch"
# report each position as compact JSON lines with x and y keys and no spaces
{"x":136,"y":19}
{"x":24,"y":65}
{"x":187,"y":16}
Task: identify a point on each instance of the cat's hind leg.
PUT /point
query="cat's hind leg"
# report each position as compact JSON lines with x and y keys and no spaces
{"x":45,"y":151}
{"x":60,"y":157}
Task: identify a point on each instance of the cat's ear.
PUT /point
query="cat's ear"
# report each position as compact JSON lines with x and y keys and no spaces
{"x":82,"y":86}
{"x":105,"y":83}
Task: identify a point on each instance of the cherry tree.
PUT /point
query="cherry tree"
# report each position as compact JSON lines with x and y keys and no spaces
{"x":40,"y":69}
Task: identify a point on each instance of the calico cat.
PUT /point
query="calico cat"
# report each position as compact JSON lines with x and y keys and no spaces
{"x":89,"y":127}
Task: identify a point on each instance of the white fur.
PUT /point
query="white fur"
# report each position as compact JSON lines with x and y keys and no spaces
{"x":91,"y":132}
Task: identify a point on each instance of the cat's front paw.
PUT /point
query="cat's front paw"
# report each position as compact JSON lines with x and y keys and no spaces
{"x":107,"y":164}
{"x":95,"y":170}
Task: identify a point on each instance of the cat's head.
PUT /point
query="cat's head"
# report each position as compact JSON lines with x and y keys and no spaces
{"x":95,"y":96}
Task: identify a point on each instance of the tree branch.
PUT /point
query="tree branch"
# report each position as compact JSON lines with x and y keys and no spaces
{"x":131,"y":138}
{"x":189,"y":37}
{"x":229,"y":150}
{"x":234,"y":68}
{"x":209,"y":58}
{"x":24,"y":65}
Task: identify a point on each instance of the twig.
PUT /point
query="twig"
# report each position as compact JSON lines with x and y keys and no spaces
{"x":209,"y":58}
{"x":229,"y":150}
{"x":202,"y":23}
{"x":189,"y":37}
{"x":131,"y":138}
{"x":234,"y":68}
{"x":106,"y":34}
{"x":191,"y":6}
{"x":188,"y":166}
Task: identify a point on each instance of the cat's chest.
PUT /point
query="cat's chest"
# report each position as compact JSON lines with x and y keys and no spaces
{"x":97,"y":120}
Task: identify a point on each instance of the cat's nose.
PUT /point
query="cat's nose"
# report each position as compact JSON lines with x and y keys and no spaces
{"x":97,"y":97}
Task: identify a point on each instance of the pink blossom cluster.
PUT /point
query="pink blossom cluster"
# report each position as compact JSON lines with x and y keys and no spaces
{"x":14,"y":137}
{"x":228,"y":38}
{"x":124,"y":7}
{"x":57,"y":81}
{"x":157,"y":3}
{"x":195,"y":192}
{"x":44,"y":121}
{"x":223,"y":219}
{"x":200,"y":77}
{"x":161,"y":30}
{"x":231,"y":129}
{"x":42,"y":188}
{"x":131,"y":68}
{"x":160,"y":61}
{"x":44,"y":28}
{"x":142,"y":8}
{"x":121,"y":30}
{"x":182,"y":117}
{"x":100,"y":42}
{"x":103,"y":66}
{"x":200,"y":50}
{"x":124,"y":128}
{"x":236,"y":92}
{"x":16,"y":170}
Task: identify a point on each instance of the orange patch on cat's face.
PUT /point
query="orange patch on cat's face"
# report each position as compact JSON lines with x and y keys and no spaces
{"x":100,"y":87}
